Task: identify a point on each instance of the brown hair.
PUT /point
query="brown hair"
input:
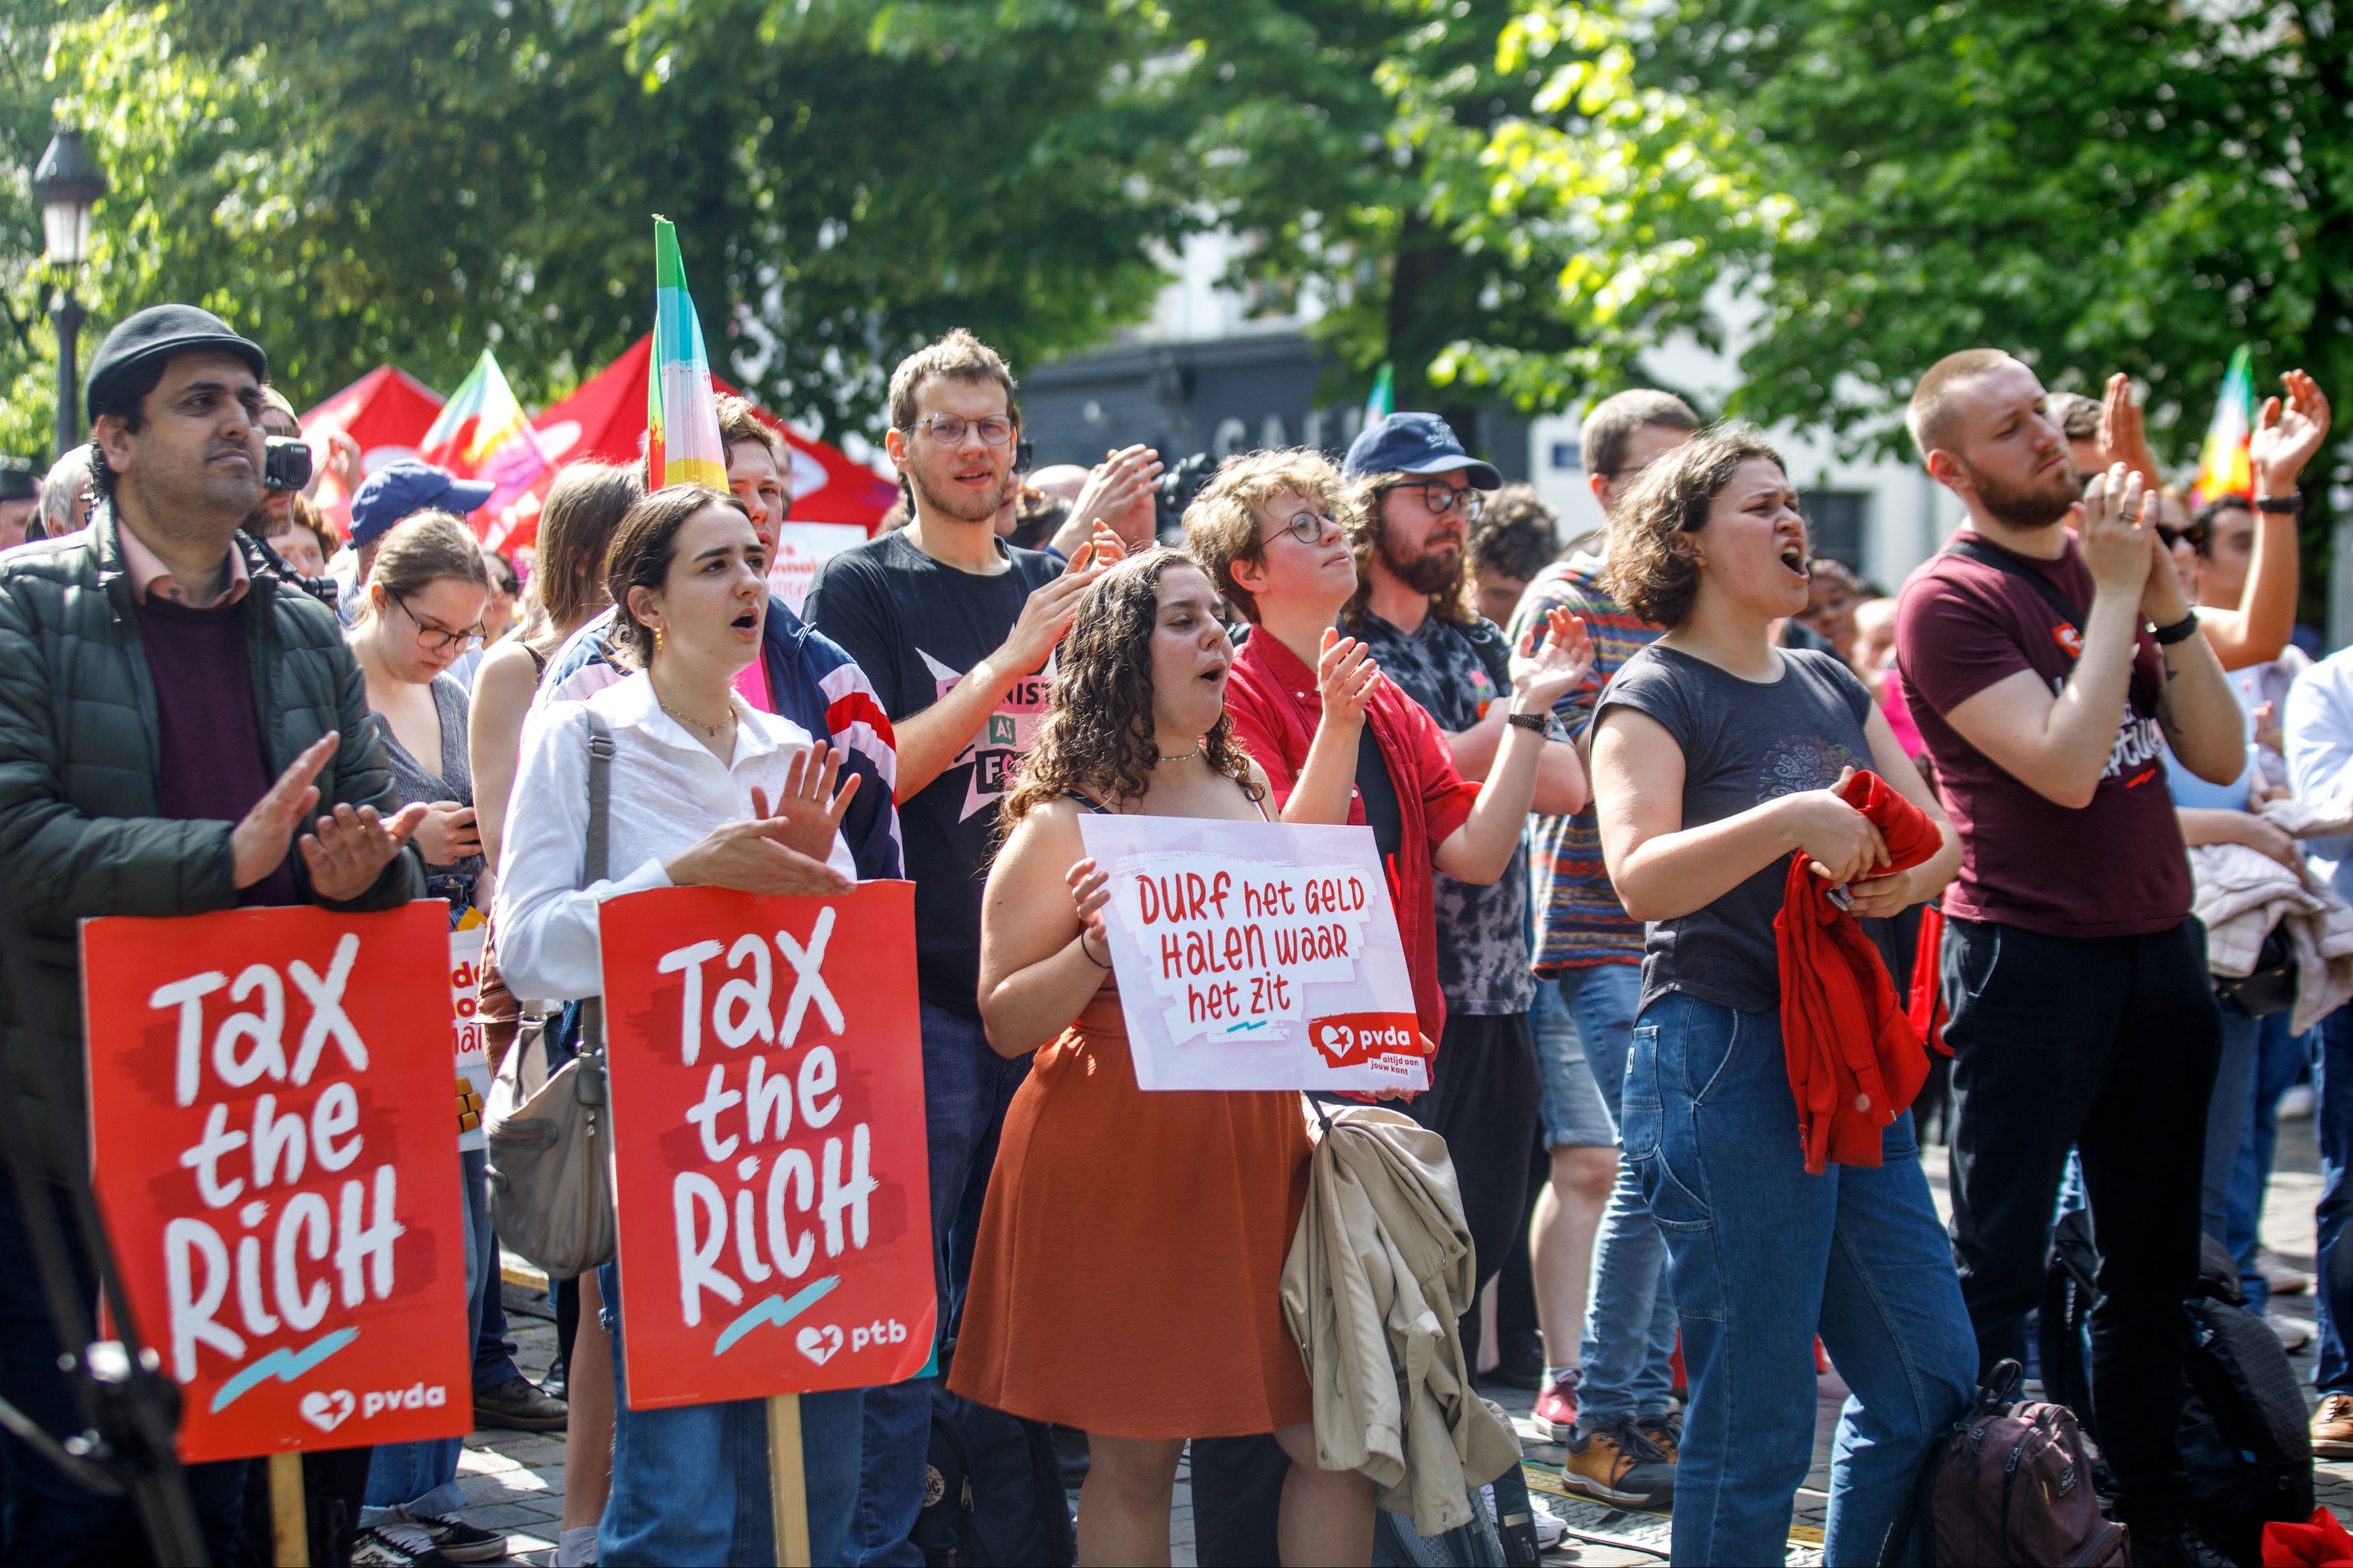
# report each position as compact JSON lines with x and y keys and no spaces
{"x":1516,"y":534}
{"x":422,"y":547}
{"x":642,"y":547}
{"x":305,"y":514}
{"x":2077,"y":416}
{"x":958,"y":355}
{"x":1650,"y":570}
{"x":1929,"y":417}
{"x":1601,"y":441}
{"x":1099,"y":733}
{"x":738,"y":424}
{"x":583,"y":510}
{"x":1221,"y":526}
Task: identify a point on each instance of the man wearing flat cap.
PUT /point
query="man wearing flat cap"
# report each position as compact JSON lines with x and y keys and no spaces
{"x":179,"y":732}
{"x":20,"y":498}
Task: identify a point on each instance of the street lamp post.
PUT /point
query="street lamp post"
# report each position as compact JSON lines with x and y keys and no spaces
{"x":66,"y":184}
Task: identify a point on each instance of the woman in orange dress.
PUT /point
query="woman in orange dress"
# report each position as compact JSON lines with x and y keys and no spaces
{"x":1127,"y":1277}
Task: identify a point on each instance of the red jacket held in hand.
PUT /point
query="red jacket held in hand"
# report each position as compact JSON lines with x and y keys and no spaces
{"x":1855,"y":1058}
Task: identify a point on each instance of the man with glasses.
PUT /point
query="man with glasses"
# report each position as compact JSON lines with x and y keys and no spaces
{"x":1417,"y":494}
{"x":395,"y":491}
{"x":956,"y":629}
{"x":1605,"y":1383}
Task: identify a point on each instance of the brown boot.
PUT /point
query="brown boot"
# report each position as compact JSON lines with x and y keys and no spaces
{"x":2332,"y":1427}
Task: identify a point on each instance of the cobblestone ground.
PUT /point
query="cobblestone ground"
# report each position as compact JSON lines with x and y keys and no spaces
{"x":516,"y":1479}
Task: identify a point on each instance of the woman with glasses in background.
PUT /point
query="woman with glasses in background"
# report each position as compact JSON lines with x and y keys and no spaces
{"x":421,"y":610}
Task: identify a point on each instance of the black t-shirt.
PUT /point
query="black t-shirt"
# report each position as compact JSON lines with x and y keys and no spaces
{"x":1383,"y":814}
{"x":915,"y":625}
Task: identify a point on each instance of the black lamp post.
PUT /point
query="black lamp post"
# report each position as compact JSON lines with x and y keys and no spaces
{"x":67,"y":184}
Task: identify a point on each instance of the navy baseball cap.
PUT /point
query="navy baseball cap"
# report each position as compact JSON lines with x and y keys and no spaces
{"x":1415,"y":444}
{"x":408,"y":486}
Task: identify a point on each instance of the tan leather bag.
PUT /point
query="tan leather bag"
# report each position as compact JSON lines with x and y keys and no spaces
{"x":549,"y":1135}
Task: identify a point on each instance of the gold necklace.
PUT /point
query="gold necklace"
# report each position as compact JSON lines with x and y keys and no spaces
{"x":710,"y":730}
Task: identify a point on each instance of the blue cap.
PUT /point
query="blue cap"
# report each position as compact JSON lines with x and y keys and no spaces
{"x":408,"y":486}
{"x":1415,"y":444}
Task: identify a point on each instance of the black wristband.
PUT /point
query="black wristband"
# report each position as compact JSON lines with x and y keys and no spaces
{"x":2290,"y":503}
{"x":2182,"y":630}
{"x":1539,"y":722}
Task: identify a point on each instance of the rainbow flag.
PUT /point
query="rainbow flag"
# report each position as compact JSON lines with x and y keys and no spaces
{"x":1382,"y":402}
{"x":682,"y":445}
{"x":2222,"y":464}
{"x":482,"y":432}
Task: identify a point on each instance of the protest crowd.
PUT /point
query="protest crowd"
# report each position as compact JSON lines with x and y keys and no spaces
{"x":1712,"y":870}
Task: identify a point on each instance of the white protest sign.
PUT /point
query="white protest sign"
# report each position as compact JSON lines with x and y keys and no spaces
{"x":1256,"y":955}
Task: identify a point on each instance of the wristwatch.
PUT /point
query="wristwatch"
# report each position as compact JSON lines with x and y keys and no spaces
{"x":2182,"y":630}
{"x":2290,"y":503}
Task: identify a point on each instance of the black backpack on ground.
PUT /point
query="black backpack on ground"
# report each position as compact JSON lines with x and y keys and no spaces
{"x":993,"y":1493}
{"x":2243,"y":1432}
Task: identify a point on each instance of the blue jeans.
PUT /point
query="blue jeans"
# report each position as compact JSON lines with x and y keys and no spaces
{"x":423,"y":1477}
{"x":691,"y":1484}
{"x":1765,"y":1256}
{"x":966,"y":1087}
{"x":2332,"y":1112}
{"x":2226,"y":1118}
{"x":1629,"y":1342}
{"x":2279,"y":1056}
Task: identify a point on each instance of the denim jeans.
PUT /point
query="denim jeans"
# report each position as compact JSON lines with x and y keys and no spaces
{"x":45,"y":1519}
{"x":1629,"y":1343}
{"x":423,"y":1477}
{"x":2332,"y":1112}
{"x":966,"y":1087}
{"x":1765,"y":1256}
{"x":2279,"y":1056}
{"x":690,"y":1483}
{"x":2226,"y":1118}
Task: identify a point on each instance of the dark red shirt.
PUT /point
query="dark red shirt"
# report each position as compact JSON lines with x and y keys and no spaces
{"x":210,"y":762}
{"x":2114,"y":868}
{"x":1275,"y":708}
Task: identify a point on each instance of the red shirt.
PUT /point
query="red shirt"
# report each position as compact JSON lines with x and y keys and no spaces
{"x":2114,"y":868}
{"x":1275,"y":707}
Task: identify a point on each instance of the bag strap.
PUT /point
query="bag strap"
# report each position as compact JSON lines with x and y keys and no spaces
{"x":600,"y":814}
{"x":1985,"y":554}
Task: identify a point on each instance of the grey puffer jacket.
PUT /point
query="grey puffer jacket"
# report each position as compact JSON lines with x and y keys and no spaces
{"x":80,"y":830}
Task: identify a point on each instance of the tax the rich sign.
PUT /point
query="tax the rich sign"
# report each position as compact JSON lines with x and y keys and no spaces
{"x":1256,"y":955}
{"x":272,"y":1145}
{"x":771,"y":1183}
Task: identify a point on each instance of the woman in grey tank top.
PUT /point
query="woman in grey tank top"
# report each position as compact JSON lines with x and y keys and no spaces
{"x":1715,"y":754}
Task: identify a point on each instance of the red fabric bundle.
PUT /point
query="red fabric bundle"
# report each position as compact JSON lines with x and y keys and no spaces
{"x":2320,"y":1543}
{"x":1927,"y":1008}
{"x":1855,"y":1059}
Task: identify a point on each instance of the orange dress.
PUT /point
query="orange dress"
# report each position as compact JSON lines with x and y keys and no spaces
{"x":1128,"y":1274}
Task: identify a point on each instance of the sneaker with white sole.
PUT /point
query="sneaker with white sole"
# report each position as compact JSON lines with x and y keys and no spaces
{"x":1616,"y":1464}
{"x":395,"y":1545}
{"x":453,"y":1537}
{"x":1555,"y":1411}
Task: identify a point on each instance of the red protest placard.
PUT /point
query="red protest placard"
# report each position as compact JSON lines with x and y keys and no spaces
{"x":271,"y":1144}
{"x":771,"y":1182}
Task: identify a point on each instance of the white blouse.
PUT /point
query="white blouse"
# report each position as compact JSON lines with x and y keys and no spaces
{"x":668,"y":792}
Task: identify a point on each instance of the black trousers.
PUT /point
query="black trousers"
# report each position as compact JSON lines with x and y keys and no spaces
{"x":2108,"y":1046}
{"x":1482,"y":1100}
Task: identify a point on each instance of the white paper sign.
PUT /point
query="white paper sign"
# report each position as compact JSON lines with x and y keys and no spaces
{"x":1256,"y":955}
{"x":801,"y":548}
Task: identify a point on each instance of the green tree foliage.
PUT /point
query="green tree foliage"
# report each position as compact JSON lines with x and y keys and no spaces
{"x":353,"y":181}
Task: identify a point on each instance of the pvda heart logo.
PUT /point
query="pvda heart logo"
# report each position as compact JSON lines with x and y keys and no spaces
{"x":327,"y":1411}
{"x":820,"y":1345}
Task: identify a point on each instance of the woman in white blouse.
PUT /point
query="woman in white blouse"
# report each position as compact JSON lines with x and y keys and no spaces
{"x":706,"y":791}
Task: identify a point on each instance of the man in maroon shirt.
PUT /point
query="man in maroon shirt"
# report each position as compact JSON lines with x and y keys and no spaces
{"x":170,"y":717}
{"x":2042,"y":668}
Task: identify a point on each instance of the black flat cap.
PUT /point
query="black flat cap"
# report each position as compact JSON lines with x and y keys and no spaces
{"x":19,"y":480}
{"x":157,"y":334}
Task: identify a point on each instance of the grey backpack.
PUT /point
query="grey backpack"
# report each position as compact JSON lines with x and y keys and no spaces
{"x":549,"y":1135}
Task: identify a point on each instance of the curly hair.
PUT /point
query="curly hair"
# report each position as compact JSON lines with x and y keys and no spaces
{"x":1651,"y":571}
{"x":1098,"y":733}
{"x":1221,"y":526}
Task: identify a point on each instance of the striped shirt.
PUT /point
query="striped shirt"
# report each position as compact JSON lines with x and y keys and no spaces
{"x":1579,"y":920}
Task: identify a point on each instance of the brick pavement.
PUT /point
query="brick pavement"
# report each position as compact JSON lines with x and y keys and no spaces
{"x":516,"y":1479}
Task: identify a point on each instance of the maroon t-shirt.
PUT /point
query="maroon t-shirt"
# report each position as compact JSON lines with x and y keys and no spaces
{"x":2117,"y":866}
